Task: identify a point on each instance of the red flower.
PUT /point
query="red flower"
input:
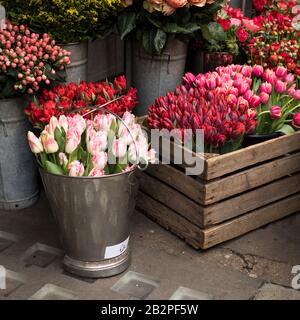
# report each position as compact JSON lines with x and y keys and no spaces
{"x":224,"y":23}
{"x":242,"y":34}
{"x":259,"y":5}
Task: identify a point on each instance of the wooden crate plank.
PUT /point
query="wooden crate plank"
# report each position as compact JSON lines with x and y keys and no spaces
{"x":170,"y":220}
{"x":249,"y":179}
{"x":171,"y":198}
{"x":231,"y":162}
{"x":250,"y":221}
{"x":251,"y":200}
{"x":172,"y":176}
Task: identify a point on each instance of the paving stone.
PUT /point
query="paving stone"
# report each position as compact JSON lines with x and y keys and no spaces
{"x":188,"y":294}
{"x":13,"y":281}
{"x":52,"y":292}
{"x":276,"y":292}
{"x":136,"y":285}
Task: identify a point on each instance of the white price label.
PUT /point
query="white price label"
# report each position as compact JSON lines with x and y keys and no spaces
{"x":118,"y":249}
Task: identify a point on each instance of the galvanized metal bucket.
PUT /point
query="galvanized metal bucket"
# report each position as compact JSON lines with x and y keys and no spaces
{"x":18,"y":173}
{"x":78,"y":69}
{"x":155,"y":75}
{"x":93,"y":215}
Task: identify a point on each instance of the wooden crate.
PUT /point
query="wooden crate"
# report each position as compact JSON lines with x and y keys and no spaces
{"x":237,"y":192}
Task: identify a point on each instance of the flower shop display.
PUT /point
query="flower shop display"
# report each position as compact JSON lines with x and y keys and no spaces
{"x":159,"y":31}
{"x":28,"y":63}
{"x":64,"y":99}
{"x":238,"y":189}
{"x":89,"y":171}
{"x":71,"y":23}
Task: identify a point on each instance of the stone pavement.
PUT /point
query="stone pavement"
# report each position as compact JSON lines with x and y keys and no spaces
{"x":256,"y":266}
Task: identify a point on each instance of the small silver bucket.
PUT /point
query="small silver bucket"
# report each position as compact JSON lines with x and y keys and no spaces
{"x":93,"y":215}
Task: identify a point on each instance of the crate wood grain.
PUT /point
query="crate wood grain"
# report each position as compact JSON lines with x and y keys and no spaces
{"x":237,"y":192}
{"x":206,"y":238}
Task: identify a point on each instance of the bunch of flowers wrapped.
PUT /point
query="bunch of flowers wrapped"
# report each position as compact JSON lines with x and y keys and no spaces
{"x":168,"y":7}
{"x":28,"y":61}
{"x":224,"y":34}
{"x":69,"y":98}
{"x":77,"y":147}
{"x":153,"y":21}
{"x":66,"y":20}
{"x":230,"y":103}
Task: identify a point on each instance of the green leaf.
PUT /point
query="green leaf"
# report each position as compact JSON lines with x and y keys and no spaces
{"x":160,"y":40}
{"x":217,"y":31}
{"x":60,"y":139}
{"x":53,"y":168}
{"x":148,"y":41}
{"x":126,"y":23}
{"x":286,"y":129}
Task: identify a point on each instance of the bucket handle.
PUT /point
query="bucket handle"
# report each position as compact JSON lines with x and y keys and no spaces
{"x":102,"y":108}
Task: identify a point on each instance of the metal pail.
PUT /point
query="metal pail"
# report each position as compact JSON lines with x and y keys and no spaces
{"x":18,"y":172}
{"x":78,"y":69}
{"x":93,"y":215}
{"x":155,"y":75}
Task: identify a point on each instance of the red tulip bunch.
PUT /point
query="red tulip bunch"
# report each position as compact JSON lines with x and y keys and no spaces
{"x":228,"y":104}
{"x":28,"y":61}
{"x":283,"y":6}
{"x":63,"y":99}
{"x":209,"y":102}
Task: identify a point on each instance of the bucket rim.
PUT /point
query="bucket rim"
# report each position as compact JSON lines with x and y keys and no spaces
{"x":43,"y":171}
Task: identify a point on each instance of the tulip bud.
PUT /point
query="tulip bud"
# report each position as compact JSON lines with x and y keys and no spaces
{"x":264,"y":97}
{"x":96,"y":173}
{"x":100,"y":160}
{"x":49,"y":143}
{"x":34,"y":143}
{"x":76,"y":169}
{"x":296,"y":95}
{"x":119,"y":148}
{"x":280,"y":86}
{"x":275,"y":112}
{"x":296,"y":119}
{"x":258,"y":71}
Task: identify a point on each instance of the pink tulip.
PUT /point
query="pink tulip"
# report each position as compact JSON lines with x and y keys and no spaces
{"x":129,"y":118}
{"x":292,"y":90}
{"x":63,"y":122}
{"x":49,"y":143}
{"x":280,"y":86}
{"x":296,"y":119}
{"x":248,"y":95}
{"x":77,"y":122}
{"x":264,"y":97}
{"x":246,"y":71}
{"x":34,"y":143}
{"x":281,"y":72}
{"x":258,"y":71}
{"x":269,"y":76}
{"x":96,"y":173}
{"x":104,"y":122}
{"x":100,"y":160}
{"x":119,"y":148}
{"x":243,"y":88}
{"x":266,"y":87}
{"x":76,"y":169}
{"x":275,"y":112}
{"x":296,"y":94}
{"x":63,"y":160}
{"x":255,"y":101}
{"x":289,"y":78}
{"x":96,"y":141}
{"x":73,"y":140}
{"x":53,"y":124}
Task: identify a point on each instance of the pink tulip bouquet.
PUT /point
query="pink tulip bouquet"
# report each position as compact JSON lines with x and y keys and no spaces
{"x":230,"y":103}
{"x":77,"y":147}
{"x":28,"y":61}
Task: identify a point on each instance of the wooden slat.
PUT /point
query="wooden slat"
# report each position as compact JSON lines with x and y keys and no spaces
{"x":249,"y":179}
{"x":231,"y":162}
{"x":250,"y":221}
{"x":251,"y":200}
{"x":171,"y":198}
{"x":170,"y":220}
{"x":187,"y":185}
